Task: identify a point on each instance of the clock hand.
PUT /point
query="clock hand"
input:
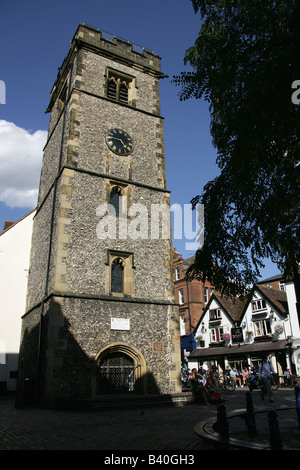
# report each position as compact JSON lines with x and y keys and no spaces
{"x":116,"y":138}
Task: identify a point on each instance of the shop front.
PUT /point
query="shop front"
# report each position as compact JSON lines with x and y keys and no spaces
{"x":244,"y":355}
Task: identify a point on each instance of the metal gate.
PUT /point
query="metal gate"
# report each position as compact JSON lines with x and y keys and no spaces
{"x":117,"y":374}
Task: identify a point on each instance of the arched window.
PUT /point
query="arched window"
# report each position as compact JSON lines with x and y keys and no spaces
{"x":117,"y":271}
{"x":116,"y":199}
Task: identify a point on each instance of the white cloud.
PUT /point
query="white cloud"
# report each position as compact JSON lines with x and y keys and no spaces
{"x":21,"y":156}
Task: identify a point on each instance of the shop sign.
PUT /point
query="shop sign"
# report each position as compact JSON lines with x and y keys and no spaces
{"x":237,"y":335}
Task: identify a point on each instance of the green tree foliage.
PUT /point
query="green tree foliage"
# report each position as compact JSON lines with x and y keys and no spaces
{"x":244,"y":62}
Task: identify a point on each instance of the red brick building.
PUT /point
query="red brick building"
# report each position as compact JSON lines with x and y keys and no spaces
{"x":275,"y":282}
{"x":192,"y":296}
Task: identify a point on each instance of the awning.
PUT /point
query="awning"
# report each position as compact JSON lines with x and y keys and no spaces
{"x":267,"y":346}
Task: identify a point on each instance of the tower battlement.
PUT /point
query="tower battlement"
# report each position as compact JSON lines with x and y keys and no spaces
{"x":110,"y":45}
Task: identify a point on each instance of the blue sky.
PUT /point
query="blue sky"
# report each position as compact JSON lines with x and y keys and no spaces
{"x":35,"y":36}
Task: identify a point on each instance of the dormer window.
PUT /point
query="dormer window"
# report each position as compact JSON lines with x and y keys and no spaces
{"x":215,"y":314}
{"x":259,"y":304}
{"x":282,"y":286}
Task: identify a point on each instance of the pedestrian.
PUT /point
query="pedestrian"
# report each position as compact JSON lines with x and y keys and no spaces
{"x":199,"y":390}
{"x":245,"y":375}
{"x":184,"y":379}
{"x":264,"y":374}
{"x":269,"y":358}
{"x":287,"y":377}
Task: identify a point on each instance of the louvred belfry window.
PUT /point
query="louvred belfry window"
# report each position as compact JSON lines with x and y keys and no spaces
{"x":123,"y":92}
{"x":118,"y":87}
{"x":112,"y":89}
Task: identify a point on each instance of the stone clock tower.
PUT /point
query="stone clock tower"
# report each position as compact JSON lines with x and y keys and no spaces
{"x":101,"y":318}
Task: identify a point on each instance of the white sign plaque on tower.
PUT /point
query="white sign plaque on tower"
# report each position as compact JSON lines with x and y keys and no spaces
{"x":120,"y":324}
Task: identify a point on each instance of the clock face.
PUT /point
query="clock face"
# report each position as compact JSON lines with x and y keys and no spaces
{"x":119,"y":141}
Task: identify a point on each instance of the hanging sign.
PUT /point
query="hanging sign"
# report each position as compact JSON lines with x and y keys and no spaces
{"x":237,"y":335}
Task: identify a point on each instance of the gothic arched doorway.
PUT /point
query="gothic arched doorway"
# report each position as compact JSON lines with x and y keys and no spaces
{"x":116,"y":374}
{"x":119,"y":369}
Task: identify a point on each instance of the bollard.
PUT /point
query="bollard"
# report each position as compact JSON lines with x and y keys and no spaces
{"x":250,"y":417}
{"x":297,"y":394}
{"x":222,"y":423}
{"x":275,"y":439}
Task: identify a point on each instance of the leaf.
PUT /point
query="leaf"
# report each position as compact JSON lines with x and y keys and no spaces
{"x":243,"y":63}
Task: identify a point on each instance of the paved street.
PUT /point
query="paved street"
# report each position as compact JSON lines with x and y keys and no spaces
{"x":155,"y":428}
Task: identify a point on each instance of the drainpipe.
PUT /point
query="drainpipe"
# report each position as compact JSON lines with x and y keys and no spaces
{"x":189,"y":310}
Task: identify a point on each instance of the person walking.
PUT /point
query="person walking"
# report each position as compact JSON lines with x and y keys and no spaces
{"x":200,"y":392}
{"x":264,"y":374}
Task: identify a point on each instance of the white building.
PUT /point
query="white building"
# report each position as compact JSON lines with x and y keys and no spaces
{"x":15,"y":242}
{"x":216,"y":333}
{"x":238,"y":333}
{"x":220,"y":316}
{"x":294,"y":323}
